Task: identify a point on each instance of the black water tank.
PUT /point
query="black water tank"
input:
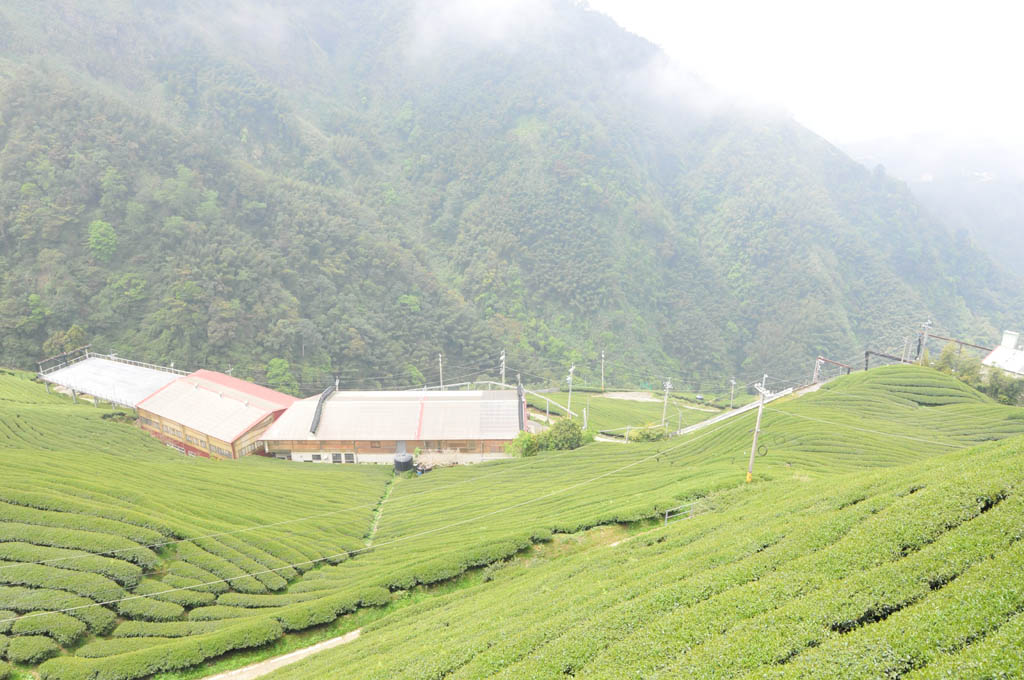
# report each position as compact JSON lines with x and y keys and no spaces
{"x":403,"y":462}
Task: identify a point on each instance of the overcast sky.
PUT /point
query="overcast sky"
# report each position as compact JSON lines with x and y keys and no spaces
{"x":853,"y":71}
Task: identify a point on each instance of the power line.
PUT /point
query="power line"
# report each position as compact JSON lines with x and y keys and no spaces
{"x":864,"y":429}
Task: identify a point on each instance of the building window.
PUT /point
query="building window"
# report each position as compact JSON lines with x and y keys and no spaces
{"x":316,"y":456}
{"x":219,"y":451}
{"x":251,"y":448}
{"x":350,"y":457}
{"x":374,"y":445}
{"x":335,"y":457}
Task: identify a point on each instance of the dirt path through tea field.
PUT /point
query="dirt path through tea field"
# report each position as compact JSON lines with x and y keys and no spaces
{"x":258,"y":670}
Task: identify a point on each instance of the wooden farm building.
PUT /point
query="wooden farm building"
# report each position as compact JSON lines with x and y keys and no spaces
{"x":211,"y":414}
{"x":371,"y":427}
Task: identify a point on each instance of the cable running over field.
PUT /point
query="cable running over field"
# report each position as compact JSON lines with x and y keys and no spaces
{"x":863,"y":429}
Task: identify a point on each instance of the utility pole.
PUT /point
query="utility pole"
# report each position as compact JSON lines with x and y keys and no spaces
{"x":569,"y":407}
{"x":732,"y":391}
{"x":664,"y":404}
{"x":757,"y":428}
{"x":906,"y":346}
{"x":817,"y":371}
{"x":502,"y":367}
{"x":926,"y":328}
{"x":440,"y":370}
{"x":602,"y":370}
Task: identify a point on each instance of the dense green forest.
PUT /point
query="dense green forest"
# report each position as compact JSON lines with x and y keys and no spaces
{"x":352,"y":187}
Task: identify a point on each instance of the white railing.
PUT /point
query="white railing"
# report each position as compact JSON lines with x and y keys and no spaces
{"x":141,"y":364}
{"x":686,"y":510}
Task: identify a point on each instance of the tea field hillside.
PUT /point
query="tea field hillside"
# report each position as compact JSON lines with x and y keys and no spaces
{"x":912,"y":572}
{"x":123,"y":559}
{"x":610,"y":414}
{"x":111,"y":528}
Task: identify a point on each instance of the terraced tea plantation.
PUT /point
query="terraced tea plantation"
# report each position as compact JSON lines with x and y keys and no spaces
{"x":122,"y":559}
{"x":111,"y":516}
{"x":913,"y":572}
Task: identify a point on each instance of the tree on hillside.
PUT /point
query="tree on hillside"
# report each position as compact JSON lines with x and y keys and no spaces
{"x":279,"y":376}
{"x":64,"y":341}
{"x":102,"y":240}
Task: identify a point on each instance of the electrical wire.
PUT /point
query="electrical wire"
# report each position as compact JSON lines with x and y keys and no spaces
{"x":863,"y":429}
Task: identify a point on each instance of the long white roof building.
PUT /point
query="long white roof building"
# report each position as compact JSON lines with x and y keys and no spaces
{"x":487,"y":415}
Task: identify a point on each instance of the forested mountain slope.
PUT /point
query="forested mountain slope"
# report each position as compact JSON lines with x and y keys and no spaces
{"x":356,"y":186}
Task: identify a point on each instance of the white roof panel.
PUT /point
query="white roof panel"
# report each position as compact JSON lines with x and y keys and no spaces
{"x":217,"y":405}
{"x":114,"y":381}
{"x":1006,"y":358}
{"x":398,"y":416}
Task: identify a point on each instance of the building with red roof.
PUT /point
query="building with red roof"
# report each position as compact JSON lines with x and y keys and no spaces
{"x":211,"y":414}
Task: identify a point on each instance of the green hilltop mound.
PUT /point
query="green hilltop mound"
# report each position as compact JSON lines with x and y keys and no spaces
{"x":916,"y":384}
{"x":157,"y":562}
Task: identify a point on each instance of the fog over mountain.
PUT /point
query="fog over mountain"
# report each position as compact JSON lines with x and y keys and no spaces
{"x":357,"y":186}
{"x":976,"y":187}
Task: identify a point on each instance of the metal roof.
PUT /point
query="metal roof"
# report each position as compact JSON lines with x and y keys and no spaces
{"x":112,"y":380}
{"x":1009,"y":356}
{"x":402,"y":416}
{"x":215,"y":404}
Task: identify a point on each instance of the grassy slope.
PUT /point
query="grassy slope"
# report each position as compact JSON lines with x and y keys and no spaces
{"x":604,"y":413}
{"x":437,"y":526}
{"x":76,"y":483}
{"x":911,"y":572}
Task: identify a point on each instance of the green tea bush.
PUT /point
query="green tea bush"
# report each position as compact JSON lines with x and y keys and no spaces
{"x":168,"y":656}
{"x":258,"y":601}
{"x":5,"y":669}
{"x":5,"y":620}
{"x":165,"y":592}
{"x":79,"y":506}
{"x":31,"y":649}
{"x":80,"y":540}
{"x":169,"y":628}
{"x":244,"y":563}
{"x":69,"y":520}
{"x":183,"y":574}
{"x":125,"y":573}
{"x":277,"y":557}
{"x":96,"y":587}
{"x":148,"y":609}
{"x":99,"y":619}
{"x":217,"y":612}
{"x":101,"y":648}
{"x":61,"y":627}
{"x":220,"y":568}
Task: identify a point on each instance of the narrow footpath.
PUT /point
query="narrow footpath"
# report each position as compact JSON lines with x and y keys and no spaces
{"x":379,"y":510}
{"x":258,"y":670}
